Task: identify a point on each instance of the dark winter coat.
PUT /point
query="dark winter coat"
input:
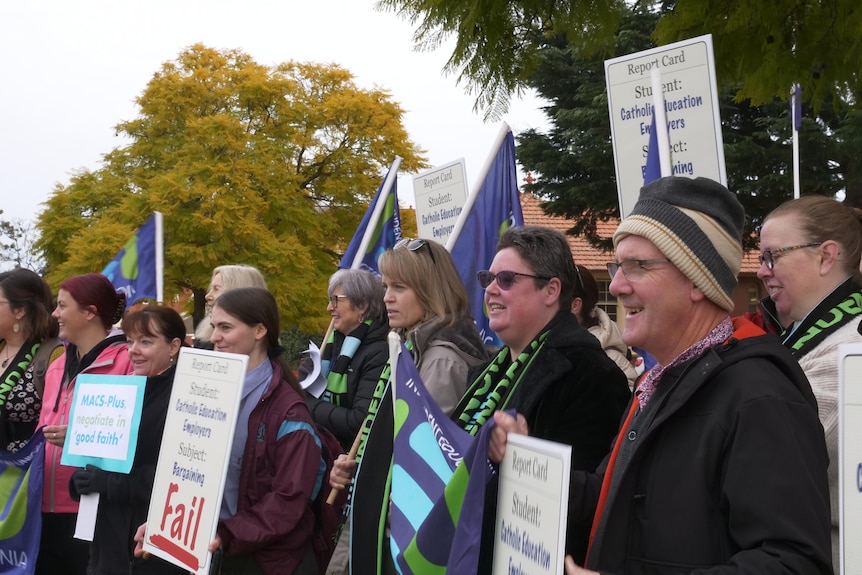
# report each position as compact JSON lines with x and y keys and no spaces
{"x":725,"y":469}
{"x":363,"y":372}
{"x":572,"y":393}
{"x":124,"y":506}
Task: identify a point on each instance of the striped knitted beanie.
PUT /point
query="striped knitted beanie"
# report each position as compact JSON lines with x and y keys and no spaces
{"x":697,"y":225}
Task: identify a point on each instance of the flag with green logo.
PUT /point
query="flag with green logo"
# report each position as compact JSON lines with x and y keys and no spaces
{"x":21,"y":506}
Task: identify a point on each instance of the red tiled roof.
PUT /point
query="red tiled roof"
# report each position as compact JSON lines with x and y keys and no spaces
{"x":586,"y":255}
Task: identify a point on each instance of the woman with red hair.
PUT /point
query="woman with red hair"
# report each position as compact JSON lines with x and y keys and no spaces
{"x":87,"y":308}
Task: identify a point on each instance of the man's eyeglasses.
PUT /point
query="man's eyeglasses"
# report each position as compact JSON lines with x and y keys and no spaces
{"x":505,"y":279}
{"x":769,"y":256}
{"x":414,"y":245}
{"x":333,"y":299}
{"x":633,"y":269}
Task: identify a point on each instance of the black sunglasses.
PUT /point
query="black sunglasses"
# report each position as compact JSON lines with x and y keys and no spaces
{"x":414,"y":245}
{"x":505,"y":279}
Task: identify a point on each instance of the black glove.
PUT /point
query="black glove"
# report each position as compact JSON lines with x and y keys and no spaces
{"x":91,"y":479}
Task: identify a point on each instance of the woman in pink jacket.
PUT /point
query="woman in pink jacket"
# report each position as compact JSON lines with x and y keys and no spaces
{"x":87,"y":308}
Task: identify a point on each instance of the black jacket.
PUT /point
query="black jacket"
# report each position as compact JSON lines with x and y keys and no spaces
{"x":724,"y":468}
{"x":572,"y":393}
{"x":124,"y":506}
{"x":362,"y":375}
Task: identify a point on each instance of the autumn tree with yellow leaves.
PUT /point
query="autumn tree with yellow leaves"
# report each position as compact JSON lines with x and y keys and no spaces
{"x":267,"y":166}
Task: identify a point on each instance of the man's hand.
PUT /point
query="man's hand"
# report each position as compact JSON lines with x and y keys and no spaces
{"x":573,"y":569}
{"x":506,"y":424}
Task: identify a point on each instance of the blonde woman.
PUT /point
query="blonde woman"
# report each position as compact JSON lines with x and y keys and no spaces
{"x":225,"y":278}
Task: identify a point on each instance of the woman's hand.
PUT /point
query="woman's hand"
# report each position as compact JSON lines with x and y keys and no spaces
{"x":139,"y":542}
{"x":506,"y":424}
{"x":342,"y":472}
{"x":55,"y":434}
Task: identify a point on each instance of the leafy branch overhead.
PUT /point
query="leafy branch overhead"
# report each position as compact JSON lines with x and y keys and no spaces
{"x":761,"y":48}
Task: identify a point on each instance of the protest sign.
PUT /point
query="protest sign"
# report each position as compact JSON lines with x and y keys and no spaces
{"x":850,"y":457}
{"x":196,"y":445}
{"x":690,"y":97}
{"x":440,"y":197}
{"x":104,"y":421}
{"x":532,"y":504}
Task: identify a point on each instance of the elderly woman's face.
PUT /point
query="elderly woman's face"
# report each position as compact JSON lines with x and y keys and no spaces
{"x":345,"y":316}
{"x":216,"y":285}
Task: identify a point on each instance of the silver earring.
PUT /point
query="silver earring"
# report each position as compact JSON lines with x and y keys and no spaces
{"x":17,"y":327}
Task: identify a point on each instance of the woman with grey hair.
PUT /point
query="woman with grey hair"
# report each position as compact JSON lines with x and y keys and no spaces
{"x":353,"y":355}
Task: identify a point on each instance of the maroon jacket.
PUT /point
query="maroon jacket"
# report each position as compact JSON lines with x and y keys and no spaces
{"x":279,"y":477}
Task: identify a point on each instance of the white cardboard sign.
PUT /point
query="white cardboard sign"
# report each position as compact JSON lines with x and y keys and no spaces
{"x":440,"y":197}
{"x":691,"y":101}
{"x":532,"y":507}
{"x":196,"y":445}
{"x":850,"y":457}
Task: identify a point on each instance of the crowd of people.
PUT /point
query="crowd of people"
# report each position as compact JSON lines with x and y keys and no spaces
{"x":723,"y":455}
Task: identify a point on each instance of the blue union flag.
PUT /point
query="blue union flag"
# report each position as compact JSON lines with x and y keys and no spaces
{"x":490,"y":211}
{"x":380,"y":227}
{"x":439,"y":473}
{"x":136,"y":268}
{"x":21,"y":476}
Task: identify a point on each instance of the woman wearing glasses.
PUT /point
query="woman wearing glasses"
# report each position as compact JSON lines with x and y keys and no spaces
{"x":353,"y":355}
{"x":552,"y":371}
{"x":427,"y":305}
{"x":809,"y":261}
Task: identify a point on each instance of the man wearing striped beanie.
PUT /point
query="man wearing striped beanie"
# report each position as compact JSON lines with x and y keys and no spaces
{"x":721,"y":459}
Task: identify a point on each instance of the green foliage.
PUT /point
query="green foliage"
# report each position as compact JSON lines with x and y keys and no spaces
{"x":271,"y":167}
{"x":765,"y":47}
{"x":574,"y":160}
{"x":295,"y":341}
{"x":761,"y":48}
{"x":496,"y":40}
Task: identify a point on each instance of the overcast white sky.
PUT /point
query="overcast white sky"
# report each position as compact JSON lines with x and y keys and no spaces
{"x":74,"y":67}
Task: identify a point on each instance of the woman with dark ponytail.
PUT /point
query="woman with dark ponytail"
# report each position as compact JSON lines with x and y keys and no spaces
{"x":276,"y":470}
{"x":88,"y":306}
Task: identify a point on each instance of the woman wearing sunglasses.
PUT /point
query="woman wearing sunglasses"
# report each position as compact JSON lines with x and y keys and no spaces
{"x":552,"y":371}
{"x":427,"y":305}
{"x":810,"y":251}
